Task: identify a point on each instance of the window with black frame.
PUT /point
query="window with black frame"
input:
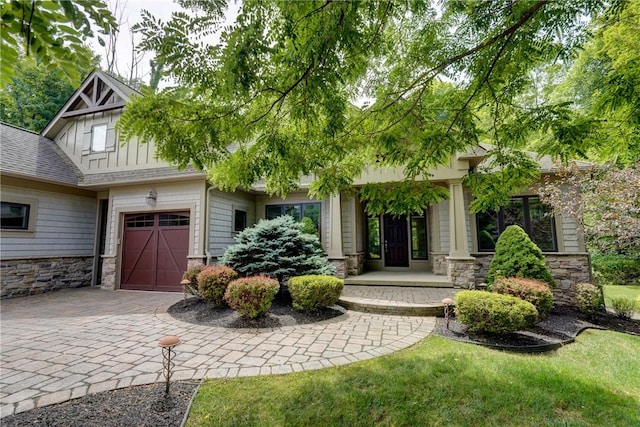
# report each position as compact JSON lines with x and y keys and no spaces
{"x":297,"y":210}
{"x":526,"y":211}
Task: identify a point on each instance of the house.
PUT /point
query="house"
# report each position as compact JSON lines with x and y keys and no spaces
{"x":79,"y":209}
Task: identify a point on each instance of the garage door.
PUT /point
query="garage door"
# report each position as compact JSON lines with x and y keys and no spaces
{"x":155,"y":248}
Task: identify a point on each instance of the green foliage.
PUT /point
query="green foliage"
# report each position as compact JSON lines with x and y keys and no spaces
{"x":279,"y":88}
{"x":33,"y":94}
{"x":494,"y":313}
{"x":624,"y":307}
{"x":401,"y":198}
{"x":192,"y":275}
{"x":589,"y":298}
{"x":277,"y":248}
{"x":53,"y":32}
{"x":309,"y":227}
{"x":517,"y":256}
{"x":616,"y":269}
{"x":534,"y":291}
{"x":213,"y":282}
{"x":313,"y":292}
{"x":251,"y":296}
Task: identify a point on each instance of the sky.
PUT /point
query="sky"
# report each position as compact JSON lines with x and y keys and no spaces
{"x":131,"y":15}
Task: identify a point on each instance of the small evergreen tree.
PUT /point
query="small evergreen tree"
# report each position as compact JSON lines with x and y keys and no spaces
{"x":518,"y":256}
{"x":277,"y":248}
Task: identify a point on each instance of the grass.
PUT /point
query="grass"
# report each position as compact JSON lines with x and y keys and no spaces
{"x":592,"y":382}
{"x":629,"y":292}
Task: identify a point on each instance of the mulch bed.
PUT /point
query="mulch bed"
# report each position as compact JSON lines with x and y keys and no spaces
{"x":147,"y":406}
{"x":281,"y":313}
{"x":143,"y":406}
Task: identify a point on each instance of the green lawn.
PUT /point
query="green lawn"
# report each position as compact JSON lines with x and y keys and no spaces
{"x":592,"y":382}
{"x":630,"y":292}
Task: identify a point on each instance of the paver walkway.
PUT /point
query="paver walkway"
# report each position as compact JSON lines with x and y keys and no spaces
{"x":67,"y":344}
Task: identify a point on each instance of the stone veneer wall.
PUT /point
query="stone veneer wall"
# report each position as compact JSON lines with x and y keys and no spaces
{"x":108,"y":281}
{"x":461,"y":272}
{"x":440,"y":263}
{"x":341,"y":267}
{"x":355,"y":264}
{"x":567,"y":268}
{"x":30,"y":276}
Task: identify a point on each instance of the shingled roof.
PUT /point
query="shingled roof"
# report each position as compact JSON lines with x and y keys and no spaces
{"x":28,"y":155}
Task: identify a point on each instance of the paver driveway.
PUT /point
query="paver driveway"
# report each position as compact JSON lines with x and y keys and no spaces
{"x":67,"y":344}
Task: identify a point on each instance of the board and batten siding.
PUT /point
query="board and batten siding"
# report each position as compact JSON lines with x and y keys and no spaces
{"x":75,"y":136}
{"x":65,"y":226}
{"x":221,"y":218}
{"x":184,"y":196}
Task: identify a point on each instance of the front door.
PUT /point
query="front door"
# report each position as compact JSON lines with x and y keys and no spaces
{"x":396,"y":243}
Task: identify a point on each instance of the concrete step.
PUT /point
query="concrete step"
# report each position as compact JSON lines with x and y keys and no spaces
{"x":427,"y":282}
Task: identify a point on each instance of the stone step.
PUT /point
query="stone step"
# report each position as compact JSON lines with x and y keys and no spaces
{"x":399,"y":308}
{"x":428,"y":282}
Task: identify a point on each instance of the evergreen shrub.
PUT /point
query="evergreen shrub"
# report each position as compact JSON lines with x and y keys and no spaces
{"x":277,"y":248}
{"x":313,"y":292}
{"x":251,"y":296}
{"x":589,"y":296}
{"x":516,"y":255}
{"x":494,"y":313}
{"x":192,"y":275}
{"x":213,"y":281}
{"x":534,"y":291}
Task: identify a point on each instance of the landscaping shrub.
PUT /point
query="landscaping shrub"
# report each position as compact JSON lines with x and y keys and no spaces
{"x":192,"y":275}
{"x":494,"y":313}
{"x":517,"y":255}
{"x":616,"y":269}
{"x":624,"y":307}
{"x":251,"y":296}
{"x":589,"y":298}
{"x":313,"y":292}
{"x":534,"y":291}
{"x":213,"y":281}
{"x":277,"y":248}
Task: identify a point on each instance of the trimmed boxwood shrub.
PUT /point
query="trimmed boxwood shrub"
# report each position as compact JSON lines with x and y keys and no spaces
{"x":590,"y":299}
{"x":517,"y":255}
{"x":251,"y":296}
{"x":494,"y":313}
{"x":277,"y":248}
{"x":310,"y":293}
{"x":192,"y":275}
{"x":213,"y":281}
{"x":534,"y":291}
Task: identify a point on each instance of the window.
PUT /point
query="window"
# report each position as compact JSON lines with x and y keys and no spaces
{"x":297,"y":211}
{"x":239,"y":220}
{"x":15,"y":216}
{"x":373,"y":238}
{"x":172,"y":220}
{"x":140,"y":221}
{"x":418,"y":237}
{"x":529,"y":213}
{"x":98,"y":138}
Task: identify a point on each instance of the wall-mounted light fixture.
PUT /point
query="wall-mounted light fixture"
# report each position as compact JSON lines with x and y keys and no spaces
{"x":151,"y":198}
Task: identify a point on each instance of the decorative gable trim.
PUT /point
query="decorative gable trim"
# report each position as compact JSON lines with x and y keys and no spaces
{"x":98,"y":93}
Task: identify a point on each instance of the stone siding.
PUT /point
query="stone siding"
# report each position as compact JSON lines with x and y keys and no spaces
{"x":341,"y":267}
{"x":566,"y":268}
{"x":440,"y":263}
{"x":30,"y":276}
{"x":355,"y":264}
{"x":108,"y":273}
{"x":461,"y":272}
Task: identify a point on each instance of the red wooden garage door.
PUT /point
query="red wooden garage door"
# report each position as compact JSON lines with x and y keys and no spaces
{"x":155,"y":248}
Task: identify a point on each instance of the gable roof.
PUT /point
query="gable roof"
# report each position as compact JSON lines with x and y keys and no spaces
{"x":26,"y":154}
{"x":98,"y":92}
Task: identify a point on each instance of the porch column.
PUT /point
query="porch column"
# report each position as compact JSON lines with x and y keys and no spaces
{"x":457,"y":221}
{"x":460,"y":264}
{"x":334,"y":251}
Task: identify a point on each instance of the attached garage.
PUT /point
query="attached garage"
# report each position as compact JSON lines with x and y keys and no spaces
{"x":155,"y":248}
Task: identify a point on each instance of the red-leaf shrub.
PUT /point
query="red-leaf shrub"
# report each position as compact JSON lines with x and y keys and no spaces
{"x":251,"y":296}
{"x":213,"y":281}
{"x":192,"y":275}
{"x":534,"y":291}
